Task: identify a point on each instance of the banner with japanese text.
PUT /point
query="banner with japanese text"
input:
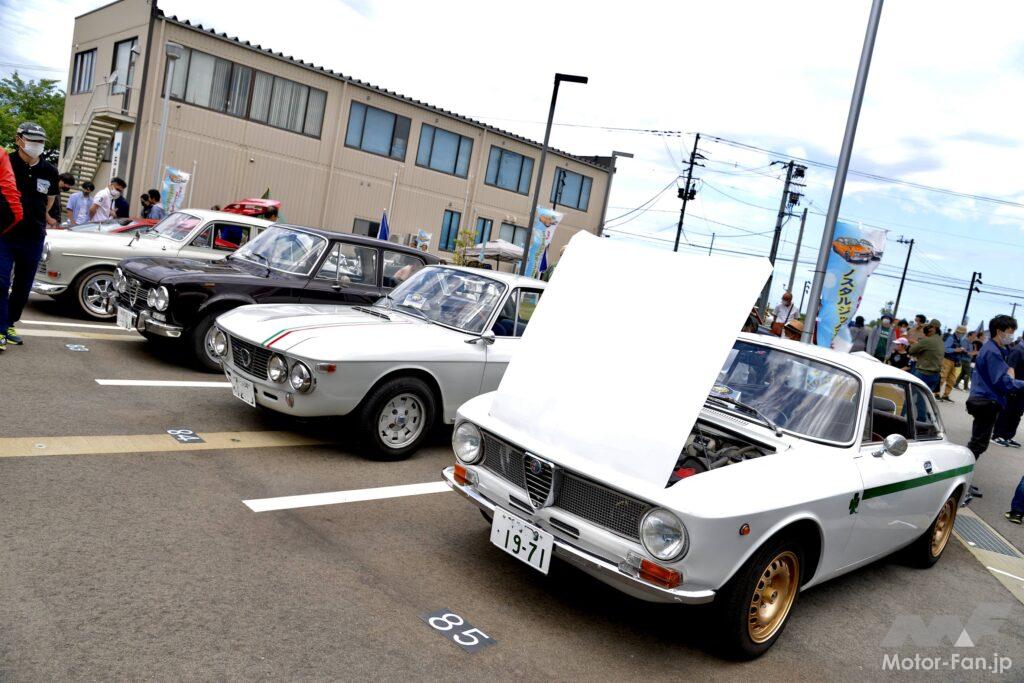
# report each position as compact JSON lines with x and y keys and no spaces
{"x":540,"y":237}
{"x":174,"y":185}
{"x":854,"y":255}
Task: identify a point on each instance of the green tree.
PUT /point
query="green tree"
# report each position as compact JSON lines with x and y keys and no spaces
{"x":464,"y":241}
{"x":39,"y":101}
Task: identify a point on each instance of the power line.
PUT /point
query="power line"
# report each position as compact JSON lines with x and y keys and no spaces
{"x":649,"y":201}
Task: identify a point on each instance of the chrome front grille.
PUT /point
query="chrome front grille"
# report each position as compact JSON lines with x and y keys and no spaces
{"x":540,"y":478}
{"x":573,"y":493}
{"x":249,"y":357}
{"x":134,"y":296}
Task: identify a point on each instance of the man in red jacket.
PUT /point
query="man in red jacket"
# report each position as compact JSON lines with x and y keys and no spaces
{"x":10,"y":199}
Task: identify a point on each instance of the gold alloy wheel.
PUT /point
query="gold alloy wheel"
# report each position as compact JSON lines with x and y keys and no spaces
{"x":773,"y":596}
{"x":943,"y":526}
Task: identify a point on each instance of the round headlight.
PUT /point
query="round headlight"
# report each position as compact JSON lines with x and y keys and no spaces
{"x":663,"y":535}
{"x":300,"y":378}
{"x":120,"y":281}
{"x":220,"y":343}
{"x":161,"y":298}
{"x":466,"y":443}
{"x":46,"y":252}
{"x":277,"y":369}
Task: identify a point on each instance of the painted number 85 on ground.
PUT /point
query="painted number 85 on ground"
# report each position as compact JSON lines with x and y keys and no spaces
{"x":458,"y":630}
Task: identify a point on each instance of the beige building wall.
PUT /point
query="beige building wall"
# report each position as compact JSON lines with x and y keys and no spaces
{"x":321,"y":182}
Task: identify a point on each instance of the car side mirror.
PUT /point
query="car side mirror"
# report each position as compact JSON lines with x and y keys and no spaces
{"x":486,"y":337}
{"x":894,"y":444}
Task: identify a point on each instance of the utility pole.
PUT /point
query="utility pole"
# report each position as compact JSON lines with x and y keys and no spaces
{"x":711,"y":247}
{"x":807,"y":285}
{"x":975,"y":280}
{"x":906,"y":264}
{"x":842,"y":168}
{"x":788,"y":198}
{"x":685,"y":193}
{"x":796,"y":256}
{"x":1013,"y":314}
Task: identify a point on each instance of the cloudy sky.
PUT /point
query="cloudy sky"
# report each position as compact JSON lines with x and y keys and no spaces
{"x":943,"y":108}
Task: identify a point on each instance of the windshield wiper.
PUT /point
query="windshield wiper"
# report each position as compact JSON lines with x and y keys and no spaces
{"x":750,"y":409}
{"x":371,"y":312}
{"x":266,"y":261}
{"x":414,"y":312}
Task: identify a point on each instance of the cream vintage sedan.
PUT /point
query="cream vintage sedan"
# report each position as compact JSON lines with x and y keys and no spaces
{"x":699,"y":469}
{"x":77,"y":268}
{"x":398,"y":366}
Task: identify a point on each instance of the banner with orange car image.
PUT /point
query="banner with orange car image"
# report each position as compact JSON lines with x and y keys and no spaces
{"x":854,"y":255}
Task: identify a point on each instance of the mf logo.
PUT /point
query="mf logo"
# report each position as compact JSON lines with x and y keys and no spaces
{"x":984,"y":621}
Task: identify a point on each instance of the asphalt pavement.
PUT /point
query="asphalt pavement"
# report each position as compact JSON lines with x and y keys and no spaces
{"x":127,"y":555}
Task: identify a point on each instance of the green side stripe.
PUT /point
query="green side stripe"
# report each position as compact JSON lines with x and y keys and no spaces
{"x":914,"y":483}
{"x":272,"y":336}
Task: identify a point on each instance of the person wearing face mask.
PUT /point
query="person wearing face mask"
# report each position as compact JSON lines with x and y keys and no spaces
{"x":65,"y":181}
{"x":21,"y":244}
{"x":991,"y":384}
{"x":79,"y":203}
{"x":102,"y":208}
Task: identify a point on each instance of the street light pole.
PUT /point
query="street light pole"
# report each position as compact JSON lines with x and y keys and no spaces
{"x":608,"y":189}
{"x":543,"y":157}
{"x":796,"y":254}
{"x":173,"y":52}
{"x":842,"y":168}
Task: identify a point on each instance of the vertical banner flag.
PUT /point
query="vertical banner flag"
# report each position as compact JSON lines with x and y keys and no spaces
{"x":854,"y":255}
{"x":172,"y":192}
{"x":115,"y":154}
{"x":540,"y":237}
{"x":382,"y":232}
{"x":421,"y":240}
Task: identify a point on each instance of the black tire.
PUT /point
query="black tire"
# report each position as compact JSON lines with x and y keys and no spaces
{"x":83,"y":290}
{"x":922,"y":553}
{"x":204,"y":358}
{"x":421,"y":402}
{"x":736,"y":614}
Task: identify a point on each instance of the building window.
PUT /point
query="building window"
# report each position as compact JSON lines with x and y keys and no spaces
{"x":377,"y":131}
{"x":516,"y":234}
{"x":444,"y":151}
{"x":449,"y":230}
{"x":483,"y":230}
{"x":124,"y":65}
{"x":68,"y":139}
{"x":81,"y":73}
{"x":571,"y":189}
{"x":235,"y":89}
{"x":509,"y":171}
{"x":361,"y":226}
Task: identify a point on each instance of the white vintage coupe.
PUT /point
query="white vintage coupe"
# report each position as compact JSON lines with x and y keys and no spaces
{"x":399,"y":366}
{"x":77,"y":268}
{"x":789,"y":466}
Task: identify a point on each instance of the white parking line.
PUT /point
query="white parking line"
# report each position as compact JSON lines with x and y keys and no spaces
{"x":1000,"y":571}
{"x":93,"y":326}
{"x":158,"y":383}
{"x":354,"y":496}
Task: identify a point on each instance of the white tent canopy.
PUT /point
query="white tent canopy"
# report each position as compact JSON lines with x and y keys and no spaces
{"x":500,"y":250}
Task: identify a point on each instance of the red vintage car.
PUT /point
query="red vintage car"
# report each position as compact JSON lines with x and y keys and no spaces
{"x":257,"y":208}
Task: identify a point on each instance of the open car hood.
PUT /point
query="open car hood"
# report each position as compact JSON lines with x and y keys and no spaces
{"x":617,"y":379}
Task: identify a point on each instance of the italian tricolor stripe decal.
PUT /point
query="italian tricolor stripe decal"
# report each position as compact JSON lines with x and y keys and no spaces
{"x":914,"y":483}
{"x":281,"y":334}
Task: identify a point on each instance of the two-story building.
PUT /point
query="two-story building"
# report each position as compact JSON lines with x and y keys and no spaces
{"x":334,"y":150}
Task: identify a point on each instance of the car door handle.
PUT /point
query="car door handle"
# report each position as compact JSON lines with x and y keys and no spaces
{"x":928,"y":466}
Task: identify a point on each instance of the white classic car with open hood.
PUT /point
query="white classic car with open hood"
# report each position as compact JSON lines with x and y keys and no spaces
{"x":399,"y":366}
{"x":78,"y":267}
{"x":691,"y":468}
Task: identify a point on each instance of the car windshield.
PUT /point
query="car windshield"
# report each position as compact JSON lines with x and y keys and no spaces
{"x":797,"y":393}
{"x":450,"y":297}
{"x":176,"y":226}
{"x":280,"y":248}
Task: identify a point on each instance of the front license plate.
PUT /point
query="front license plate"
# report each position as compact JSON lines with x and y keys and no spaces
{"x":522,"y":540}
{"x":126,"y":318}
{"x":244,"y":390}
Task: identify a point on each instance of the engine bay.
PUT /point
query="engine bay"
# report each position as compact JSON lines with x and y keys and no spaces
{"x":709,"y":447}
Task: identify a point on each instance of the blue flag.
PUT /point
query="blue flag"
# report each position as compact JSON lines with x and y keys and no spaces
{"x":544,"y":261}
{"x":382,"y":232}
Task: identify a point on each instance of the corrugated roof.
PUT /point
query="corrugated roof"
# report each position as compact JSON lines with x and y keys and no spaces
{"x":383,"y":91}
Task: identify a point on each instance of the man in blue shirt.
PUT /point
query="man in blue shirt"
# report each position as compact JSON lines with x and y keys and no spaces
{"x":156,"y":209}
{"x":956,"y":349}
{"x":1009,"y":417}
{"x":991,"y":383}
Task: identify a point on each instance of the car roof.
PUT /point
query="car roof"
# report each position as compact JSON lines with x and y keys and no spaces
{"x":207,"y":215}
{"x":511,"y":279}
{"x":353,"y":238}
{"x":869,"y":368}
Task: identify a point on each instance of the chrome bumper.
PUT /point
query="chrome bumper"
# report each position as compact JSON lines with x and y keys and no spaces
{"x":595,"y":566}
{"x":145,"y":323}
{"x":49,"y":290}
